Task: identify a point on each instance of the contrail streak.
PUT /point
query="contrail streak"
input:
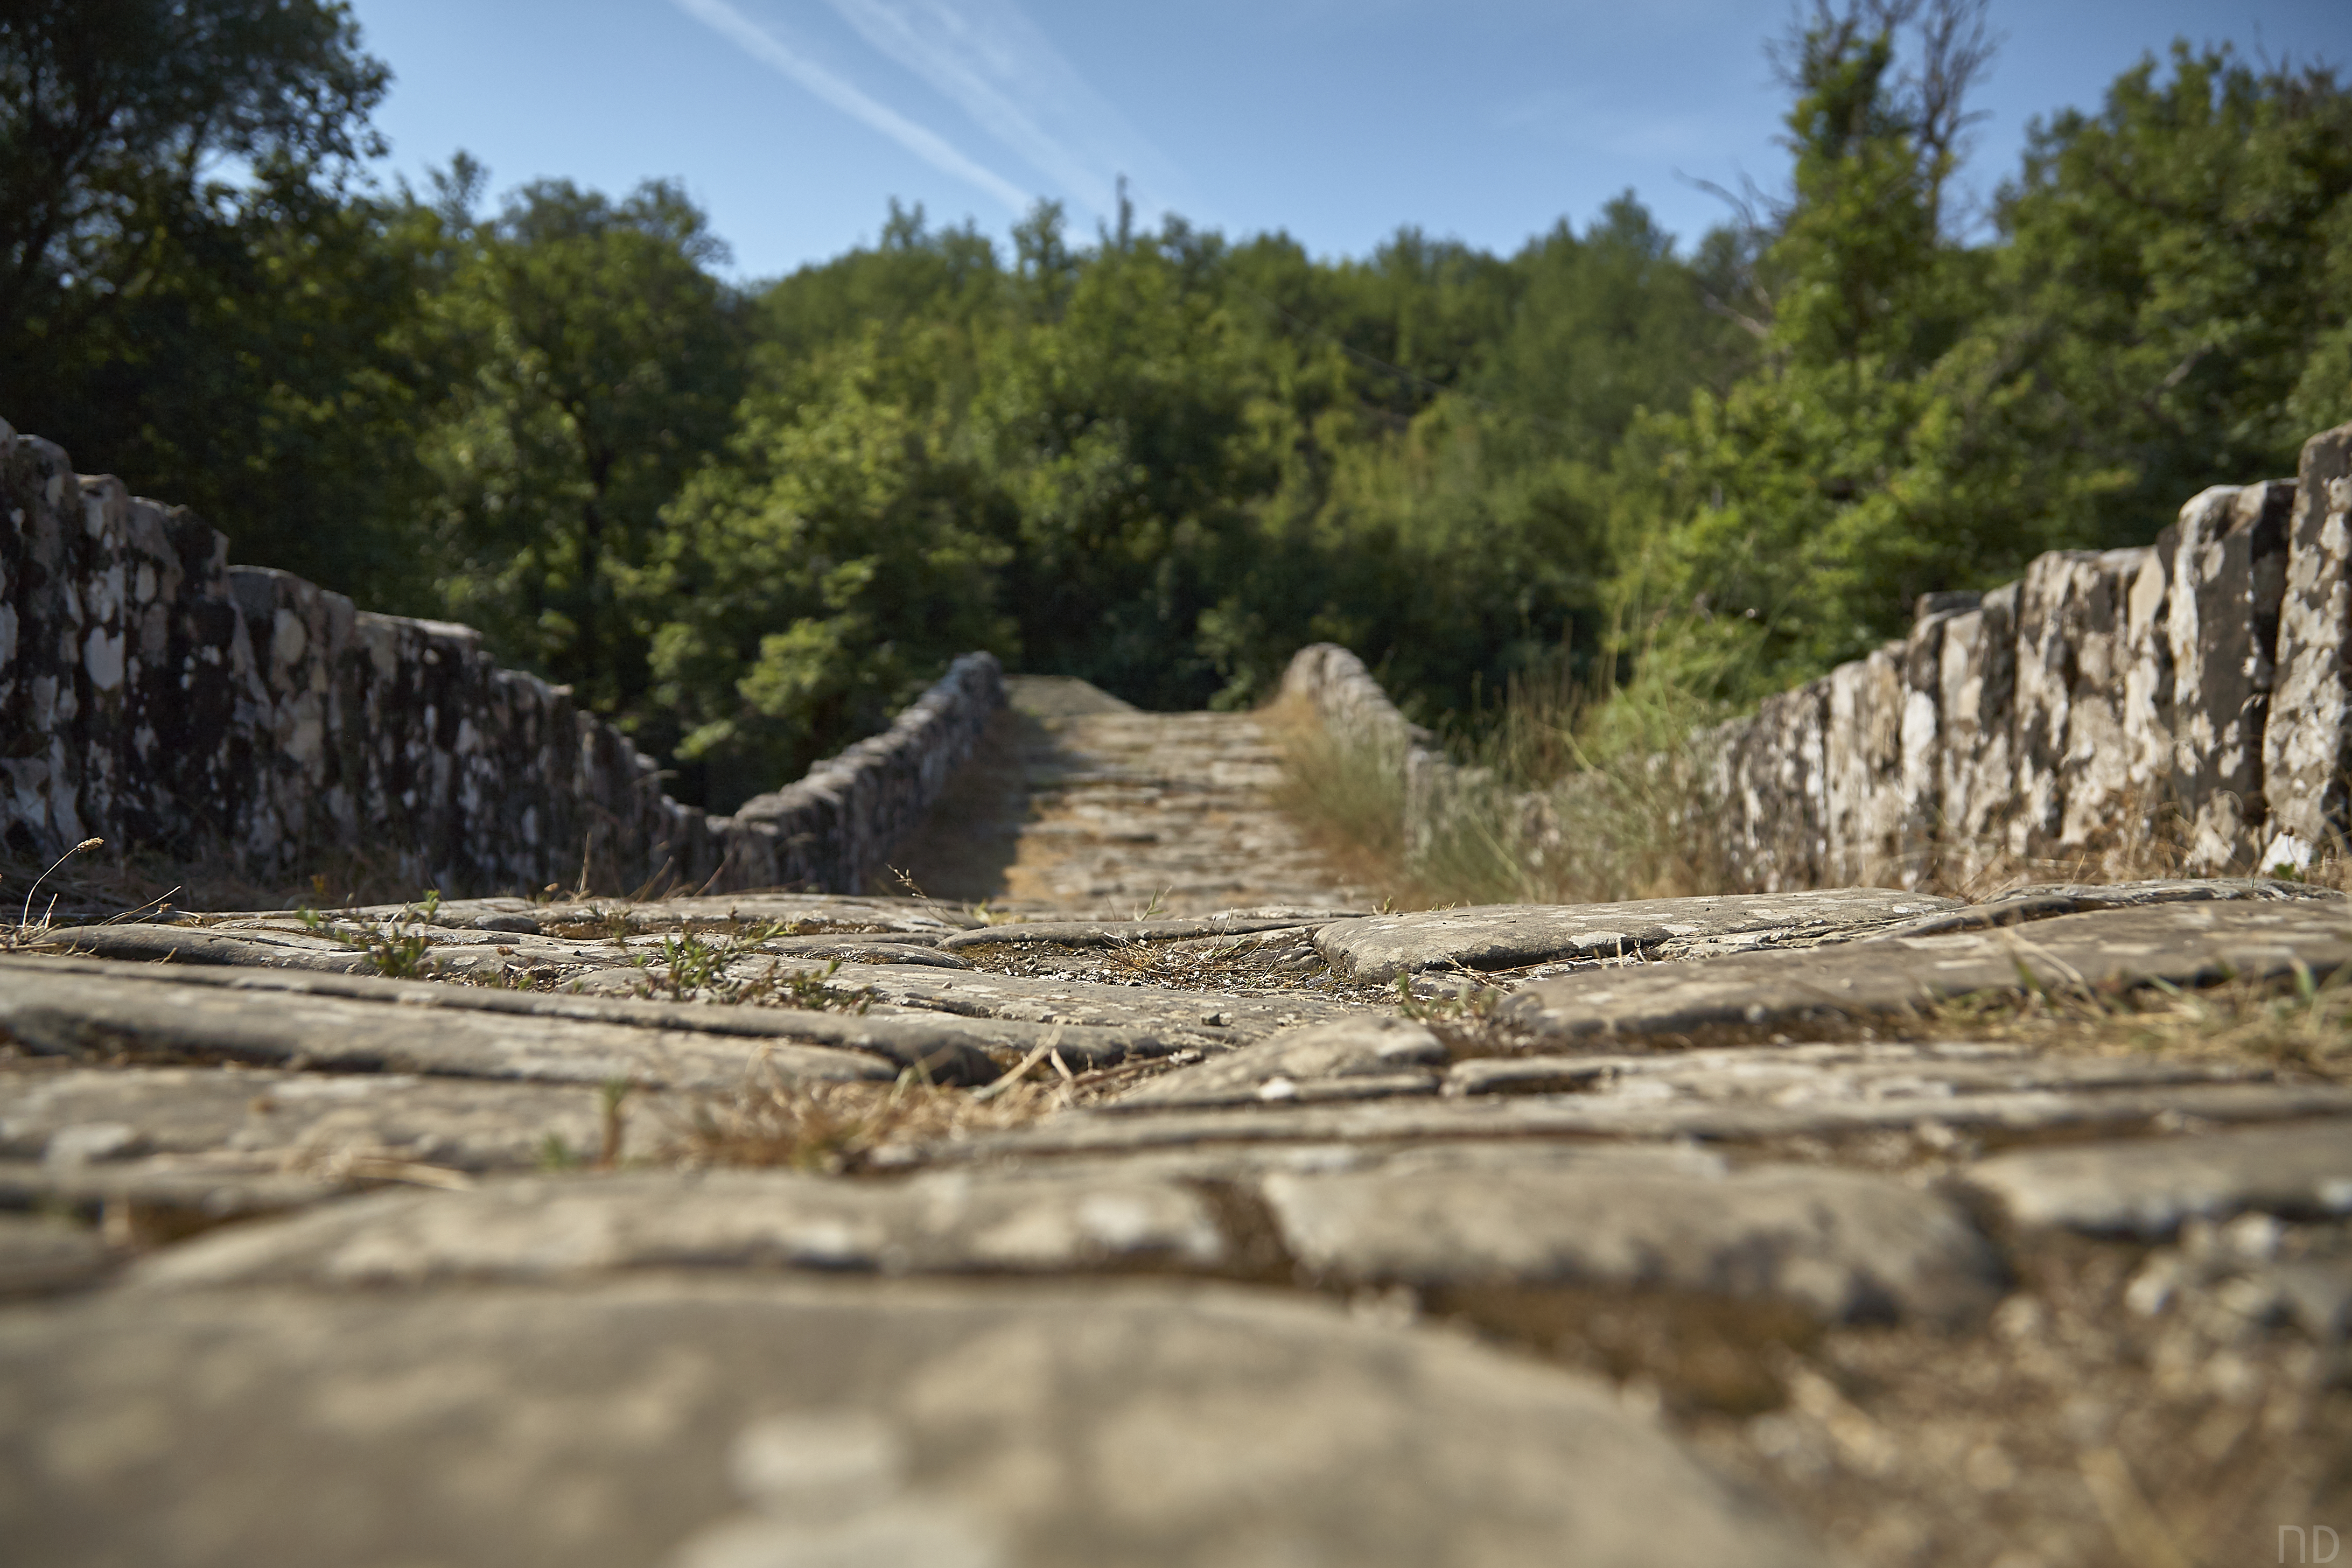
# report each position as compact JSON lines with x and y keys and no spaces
{"x":993,"y":62}
{"x":940,"y":46}
{"x":754,"y":40}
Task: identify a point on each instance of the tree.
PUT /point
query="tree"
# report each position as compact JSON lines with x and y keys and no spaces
{"x":1787,"y":522}
{"x":608,"y":363}
{"x":193,"y":295}
{"x":1115,"y":410}
{"x":2172,"y":277}
{"x":821,"y":572}
{"x":116,"y":115}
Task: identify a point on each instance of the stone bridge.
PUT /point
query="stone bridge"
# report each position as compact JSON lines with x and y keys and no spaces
{"x":1129,"y":1187}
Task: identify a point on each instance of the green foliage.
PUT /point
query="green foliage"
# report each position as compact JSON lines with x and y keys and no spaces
{"x":820,"y":573}
{"x":239,"y":346}
{"x":113,"y":113}
{"x":400,"y":949}
{"x":2154,"y":317}
{"x":2175,"y":266}
{"x":606,"y":365}
{"x":1115,"y":416}
{"x":751,"y":522}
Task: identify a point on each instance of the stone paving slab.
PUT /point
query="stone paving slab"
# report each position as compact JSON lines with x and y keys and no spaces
{"x":463,"y":1124}
{"x":2149,"y":1188}
{"x":1369,"y":1047}
{"x":43,"y":1253}
{"x":1243,"y":1166}
{"x":142,"y":943}
{"x":167,"y":1196}
{"x":576,"y":1227}
{"x":799,"y":914}
{"x":1511,"y":936}
{"x":850,"y":949}
{"x":814,"y":913}
{"x":2040,"y":900}
{"x":1800,"y":1074}
{"x":1840,"y":1243}
{"x":1114,"y":933}
{"x":1399,"y":1119}
{"x":63,"y":1014}
{"x":1213,"y":1020}
{"x":2185,"y":944}
{"x":699,"y":1421}
{"x":951,"y":1049}
{"x":276,"y":942}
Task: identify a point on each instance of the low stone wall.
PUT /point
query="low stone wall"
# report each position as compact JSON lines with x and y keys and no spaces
{"x":1335,"y":685}
{"x":156,"y":696}
{"x":2198,"y":688}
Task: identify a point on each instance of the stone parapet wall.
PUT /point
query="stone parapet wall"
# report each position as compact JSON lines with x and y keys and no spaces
{"x":156,"y":696}
{"x":2187,"y":702}
{"x":1335,"y":685}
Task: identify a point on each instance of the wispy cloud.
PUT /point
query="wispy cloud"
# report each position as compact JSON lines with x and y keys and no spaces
{"x":730,"y":24}
{"x":996,"y":64}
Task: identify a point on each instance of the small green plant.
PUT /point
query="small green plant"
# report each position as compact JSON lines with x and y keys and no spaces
{"x":555,"y":1155}
{"x":612,"y":1106}
{"x":694,"y":968}
{"x":399,"y":950}
{"x":802,"y":989}
{"x":690,"y":964}
{"x":1470,"y":1003}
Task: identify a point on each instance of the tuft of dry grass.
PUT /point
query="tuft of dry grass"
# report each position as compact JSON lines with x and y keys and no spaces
{"x":835,"y":1129}
{"x":2303,"y":1024}
{"x":1346,"y":792}
{"x":1558,"y":795}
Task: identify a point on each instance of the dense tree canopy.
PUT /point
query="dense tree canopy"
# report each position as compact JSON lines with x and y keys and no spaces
{"x":750,"y":521}
{"x":191,"y":292}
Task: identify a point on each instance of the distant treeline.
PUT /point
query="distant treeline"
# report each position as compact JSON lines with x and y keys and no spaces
{"x":749,"y":523}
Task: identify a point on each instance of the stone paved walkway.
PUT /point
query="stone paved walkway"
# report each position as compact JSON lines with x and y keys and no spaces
{"x":775,"y":1229}
{"x":1079,"y":803}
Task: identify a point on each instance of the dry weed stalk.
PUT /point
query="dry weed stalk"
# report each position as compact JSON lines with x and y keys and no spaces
{"x":836,"y":1128}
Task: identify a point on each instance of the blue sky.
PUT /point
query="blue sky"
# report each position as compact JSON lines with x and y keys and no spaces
{"x":794,"y":121}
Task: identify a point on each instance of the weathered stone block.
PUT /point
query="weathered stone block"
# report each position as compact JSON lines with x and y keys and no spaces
{"x":2147,"y":694}
{"x":2044,"y":688}
{"x":2072,"y":785}
{"x":2307,"y":752}
{"x":2227,"y":559}
{"x":1511,"y":936}
{"x":1837,"y":1243}
{"x":2148,"y":1189}
{"x":1863,"y":768}
{"x":1782,"y":780}
{"x":687,"y":1420}
{"x":1975,"y":708}
{"x":1918,"y":829}
{"x":2101,"y":814}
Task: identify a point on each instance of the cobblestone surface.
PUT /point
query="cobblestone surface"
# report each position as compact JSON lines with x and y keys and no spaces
{"x":987,"y":1223}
